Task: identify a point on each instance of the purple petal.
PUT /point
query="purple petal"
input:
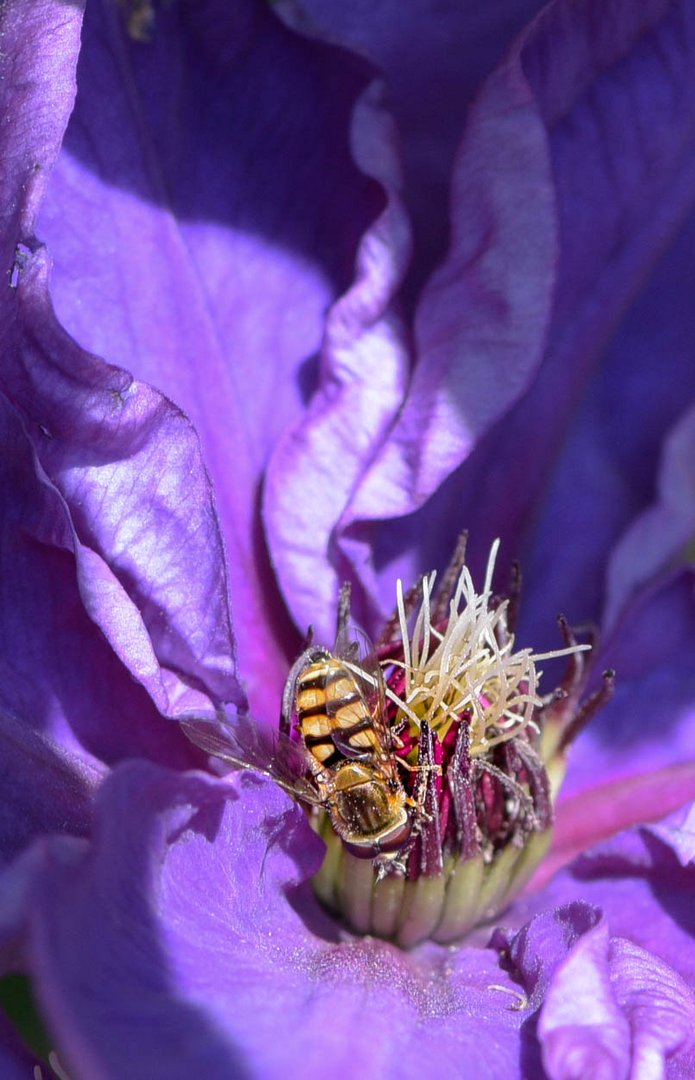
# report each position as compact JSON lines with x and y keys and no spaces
{"x":603,"y":810}
{"x":364,"y":370}
{"x":581,"y":1027}
{"x":132,"y":500}
{"x":128,"y":464}
{"x":428,"y":53}
{"x":608,"y":1008}
{"x":204,"y":214}
{"x":649,"y":723}
{"x":678,"y":834}
{"x":37,"y":88}
{"x":537,"y":950}
{"x":45,"y":788}
{"x":642,"y":883}
{"x":613,"y":1010}
{"x":482,"y":318}
{"x":58,"y":673}
{"x":228,"y":964}
{"x":659,"y":1005}
{"x":592,"y":84}
{"x":655,"y":542}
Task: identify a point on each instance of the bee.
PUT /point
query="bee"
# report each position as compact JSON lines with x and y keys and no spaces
{"x":342,"y":760}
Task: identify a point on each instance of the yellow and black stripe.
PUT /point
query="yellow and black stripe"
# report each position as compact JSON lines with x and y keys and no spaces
{"x":333,"y":717}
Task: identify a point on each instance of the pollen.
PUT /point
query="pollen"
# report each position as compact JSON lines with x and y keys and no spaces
{"x":461,"y":662}
{"x":476,"y":755}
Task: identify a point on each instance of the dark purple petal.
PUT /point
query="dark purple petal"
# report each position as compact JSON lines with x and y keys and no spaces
{"x":649,"y":723}
{"x":537,"y":950}
{"x":45,"y":788}
{"x":594,"y":79}
{"x":204,"y":213}
{"x":657,"y":540}
{"x":429,"y":52}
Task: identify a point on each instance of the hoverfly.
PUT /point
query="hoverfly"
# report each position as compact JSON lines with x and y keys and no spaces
{"x":342,"y":758}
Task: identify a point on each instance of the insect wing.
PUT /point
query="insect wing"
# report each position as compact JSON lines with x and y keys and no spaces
{"x":246,"y":746}
{"x":357,"y":654}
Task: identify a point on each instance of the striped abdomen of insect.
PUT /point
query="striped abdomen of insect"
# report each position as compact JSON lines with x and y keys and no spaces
{"x":333,"y":716}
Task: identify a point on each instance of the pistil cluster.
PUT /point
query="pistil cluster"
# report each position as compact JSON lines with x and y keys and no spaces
{"x":482,"y":755}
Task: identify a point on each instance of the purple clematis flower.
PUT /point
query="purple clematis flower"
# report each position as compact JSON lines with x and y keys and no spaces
{"x":360,"y":276}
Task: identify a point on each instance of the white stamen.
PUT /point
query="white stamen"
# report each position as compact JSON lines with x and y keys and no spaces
{"x":404,"y":630}
{"x":469,"y":665}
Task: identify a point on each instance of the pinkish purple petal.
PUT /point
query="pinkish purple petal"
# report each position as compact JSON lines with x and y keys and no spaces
{"x":600,"y":811}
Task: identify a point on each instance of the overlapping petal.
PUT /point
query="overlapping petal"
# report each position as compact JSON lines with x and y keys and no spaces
{"x":230,"y":966}
{"x":364,"y":372}
{"x":586,"y":77}
{"x":227,"y":175}
{"x":113,"y":566}
{"x":608,"y":1008}
{"x":211,"y":170}
{"x":429,"y":53}
{"x":586,"y":73}
{"x":648,"y":625}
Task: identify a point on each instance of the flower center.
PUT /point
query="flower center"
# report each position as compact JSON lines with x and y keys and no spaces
{"x":466,"y":736}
